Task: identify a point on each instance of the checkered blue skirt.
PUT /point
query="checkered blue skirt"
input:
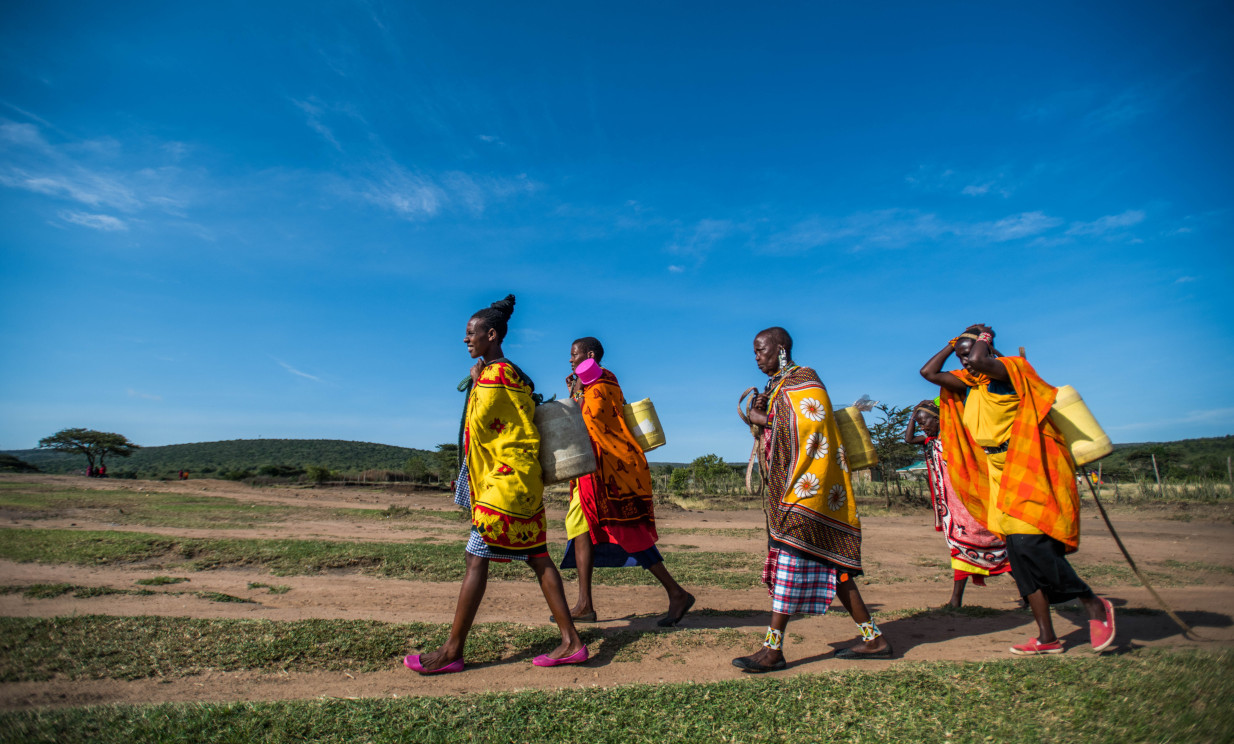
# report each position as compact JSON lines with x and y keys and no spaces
{"x":798,"y":585}
{"x":475,"y":543}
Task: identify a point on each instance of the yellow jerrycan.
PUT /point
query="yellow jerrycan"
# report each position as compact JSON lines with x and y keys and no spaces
{"x":1075,"y":422}
{"x":644,"y":424}
{"x":858,"y":446}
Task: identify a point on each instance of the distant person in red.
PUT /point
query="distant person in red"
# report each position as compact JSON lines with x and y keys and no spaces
{"x":90,"y":472}
{"x":102,"y":471}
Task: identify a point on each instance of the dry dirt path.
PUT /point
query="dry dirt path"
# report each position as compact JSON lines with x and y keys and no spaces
{"x":904,"y":552}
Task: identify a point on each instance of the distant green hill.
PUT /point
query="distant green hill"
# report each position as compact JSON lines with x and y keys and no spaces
{"x":211,"y":458}
{"x":1184,"y":459}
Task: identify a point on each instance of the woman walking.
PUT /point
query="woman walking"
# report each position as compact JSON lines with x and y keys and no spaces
{"x":813,"y":533}
{"x":611,"y":521}
{"x":500,"y":483}
{"x":975,"y":551}
{"x":1012,"y":469}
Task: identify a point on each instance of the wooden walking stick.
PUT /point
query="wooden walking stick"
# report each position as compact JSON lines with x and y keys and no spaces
{"x":1187,"y":631}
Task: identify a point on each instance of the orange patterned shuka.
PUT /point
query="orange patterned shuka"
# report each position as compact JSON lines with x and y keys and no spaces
{"x":618,"y":494}
{"x":1038,"y":482}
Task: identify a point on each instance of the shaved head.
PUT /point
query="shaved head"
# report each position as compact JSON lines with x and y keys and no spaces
{"x":779,"y":337}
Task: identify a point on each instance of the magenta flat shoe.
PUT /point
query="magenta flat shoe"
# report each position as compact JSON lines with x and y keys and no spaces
{"x":578,"y":657}
{"x":412,"y":662}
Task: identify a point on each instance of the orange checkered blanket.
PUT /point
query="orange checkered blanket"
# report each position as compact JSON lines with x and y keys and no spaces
{"x":1038,"y":483}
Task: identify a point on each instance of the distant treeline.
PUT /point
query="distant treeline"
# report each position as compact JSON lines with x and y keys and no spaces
{"x":1183,"y":460}
{"x":321,"y":459}
{"x":238,"y":458}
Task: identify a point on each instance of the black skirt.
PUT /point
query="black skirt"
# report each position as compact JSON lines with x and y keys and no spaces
{"x":1040,"y":562}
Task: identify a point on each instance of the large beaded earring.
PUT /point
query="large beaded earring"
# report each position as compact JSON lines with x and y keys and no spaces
{"x":783,"y":359}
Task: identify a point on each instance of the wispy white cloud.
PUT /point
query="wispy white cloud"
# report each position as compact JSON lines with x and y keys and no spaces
{"x":899,"y":228}
{"x":313,"y":114}
{"x":491,"y":139}
{"x":297,"y":372}
{"x":1184,"y":279}
{"x":1121,"y":109}
{"x":675,"y":269}
{"x":1105,"y":224}
{"x":1211,"y":415}
{"x":936,"y":179}
{"x":1024,"y":225}
{"x":698,"y":239}
{"x":401,"y":191}
{"x":96,"y":173}
{"x":103,"y":222}
{"x":1095,"y":108}
{"x":145,"y":396}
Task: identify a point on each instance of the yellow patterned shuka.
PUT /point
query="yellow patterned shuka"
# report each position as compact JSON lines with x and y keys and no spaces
{"x":810,"y":492}
{"x":503,"y":449}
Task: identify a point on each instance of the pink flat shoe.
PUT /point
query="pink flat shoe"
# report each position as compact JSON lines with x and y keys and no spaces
{"x":412,"y":662}
{"x":578,"y":657}
{"x":1102,"y":633}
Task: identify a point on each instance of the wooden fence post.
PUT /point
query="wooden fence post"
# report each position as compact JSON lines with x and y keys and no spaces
{"x":1160,"y":490}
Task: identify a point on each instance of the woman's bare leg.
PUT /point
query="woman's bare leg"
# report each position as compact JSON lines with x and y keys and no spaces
{"x":469,"y":596}
{"x":766,"y":656}
{"x":957,"y":592}
{"x":584,"y":557}
{"x":679,"y":600}
{"x":555,"y":594}
{"x":850,"y":597}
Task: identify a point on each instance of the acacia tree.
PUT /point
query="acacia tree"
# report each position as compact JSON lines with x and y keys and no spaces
{"x":95,"y":445}
{"x":889,"y":444}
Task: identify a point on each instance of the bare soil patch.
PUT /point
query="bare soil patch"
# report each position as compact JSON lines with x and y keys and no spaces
{"x":906,"y":556}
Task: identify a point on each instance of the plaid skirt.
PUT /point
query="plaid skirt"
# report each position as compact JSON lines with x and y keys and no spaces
{"x":798,"y":585}
{"x":475,"y":543}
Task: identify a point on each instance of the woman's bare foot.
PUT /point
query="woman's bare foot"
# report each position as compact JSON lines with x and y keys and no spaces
{"x":437,"y":659}
{"x":565,"y":649}
{"x":678,"y":605}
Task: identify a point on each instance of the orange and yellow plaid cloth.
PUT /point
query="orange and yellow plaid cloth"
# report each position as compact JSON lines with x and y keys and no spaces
{"x":1038,"y":483}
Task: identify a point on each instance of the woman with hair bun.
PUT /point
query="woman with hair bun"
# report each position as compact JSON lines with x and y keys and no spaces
{"x":500,"y":483}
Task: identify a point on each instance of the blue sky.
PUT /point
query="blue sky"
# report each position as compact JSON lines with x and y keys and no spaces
{"x":233,"y":220}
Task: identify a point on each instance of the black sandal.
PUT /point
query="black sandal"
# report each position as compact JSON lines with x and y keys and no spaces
{"x":745,"y":664}
{"x":849,"y":653}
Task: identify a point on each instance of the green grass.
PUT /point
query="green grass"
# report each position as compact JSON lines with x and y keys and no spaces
{"x":1138,"y":697}
{"x":421,"y":561}
{"x":273,"y":589}
{"x":51,"y":591}
{"x":126,"y":648}
{"x":161,"y":581}
{"x":151,"y":509}
{"x":118,"y":647}
{"x":188,"y":511}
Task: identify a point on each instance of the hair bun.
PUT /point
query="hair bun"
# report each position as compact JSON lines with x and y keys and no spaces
{"x":504,"y":306}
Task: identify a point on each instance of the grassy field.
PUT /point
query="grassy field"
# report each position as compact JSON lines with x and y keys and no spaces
{"x":423,"y":561}
{"x":1137,"y":697}
{"x":190,"y":511}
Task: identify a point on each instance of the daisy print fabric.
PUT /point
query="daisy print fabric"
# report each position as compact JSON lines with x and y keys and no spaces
{"x":819,"y":480}
{"x":810,"y":506}
{"x":812,"y":408}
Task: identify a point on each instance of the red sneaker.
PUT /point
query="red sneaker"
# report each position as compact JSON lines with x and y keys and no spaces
{"x":1036,"y":648}
{"x":1102,"y":633}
